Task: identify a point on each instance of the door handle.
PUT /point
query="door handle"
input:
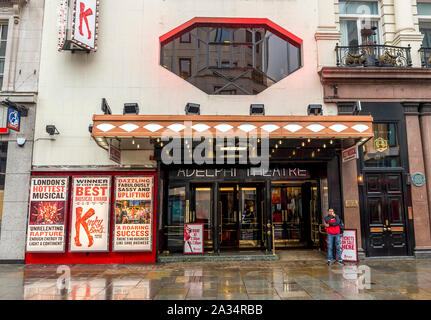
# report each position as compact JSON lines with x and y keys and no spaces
{"x":221,"y":220}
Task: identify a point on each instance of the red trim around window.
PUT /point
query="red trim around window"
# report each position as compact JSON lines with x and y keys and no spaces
{"x":231,"y":23}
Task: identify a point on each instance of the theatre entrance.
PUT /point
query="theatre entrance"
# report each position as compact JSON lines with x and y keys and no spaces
{"x":241,"y":209}
{"x":296,"y":214}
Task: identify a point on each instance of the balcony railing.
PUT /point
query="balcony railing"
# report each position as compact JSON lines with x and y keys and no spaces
{"x":425,"y":57}
{"x":373,"y":55}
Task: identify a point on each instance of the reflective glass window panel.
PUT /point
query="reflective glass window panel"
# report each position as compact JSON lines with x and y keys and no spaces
{"x":425,"y":29}
{"x":349,"y":33}
{"x":221,"y":57}
{"x":358,"y":7}
{"x":203,"y":210}
{"x":383,"y":150}
{"x":185,"y":68}
{"x":424,"y":8}
{"x":186,"y":38}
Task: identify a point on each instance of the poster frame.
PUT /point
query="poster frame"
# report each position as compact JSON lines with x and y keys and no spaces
{"x":356,"y":245}
{"x":66,"y":214}
{"x":72,"y":188}
{"x":113,"y":213}
{"x":202,"y":228}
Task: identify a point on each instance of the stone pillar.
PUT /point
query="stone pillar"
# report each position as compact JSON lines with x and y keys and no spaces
{"x":352,"y":215}
{"x":327,"y":34}
{"x":406,"y":34}
{"x":16,"y":191}
{"x":403,"y":15}
{"x":425,"y":123}
{"x":416,"y":164}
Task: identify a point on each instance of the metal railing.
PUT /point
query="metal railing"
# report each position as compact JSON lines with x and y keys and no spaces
{"x":425,"y":57}
{"x":374,"y":55}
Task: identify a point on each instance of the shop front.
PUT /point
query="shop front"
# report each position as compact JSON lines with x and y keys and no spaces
{"x":241,"y":205}
{"x":244,"y":208}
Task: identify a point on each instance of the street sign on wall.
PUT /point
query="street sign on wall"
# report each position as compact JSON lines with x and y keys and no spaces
{"x":13,"y":119}
{"x":350,"y":154}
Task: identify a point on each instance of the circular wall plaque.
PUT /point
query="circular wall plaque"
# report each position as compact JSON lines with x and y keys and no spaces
{"x":418,"y":179}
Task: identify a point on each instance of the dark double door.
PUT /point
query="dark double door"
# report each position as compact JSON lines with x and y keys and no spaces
{"x":240,"y":216}
{"x":385,"y":214}
{"x":231,"y":214}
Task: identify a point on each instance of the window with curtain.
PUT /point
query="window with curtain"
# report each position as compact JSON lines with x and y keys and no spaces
{"x":425,"y":28}
{"x":424,"y":12}
{"x":359,"y":23}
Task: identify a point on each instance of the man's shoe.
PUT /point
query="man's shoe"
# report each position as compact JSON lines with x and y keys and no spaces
{"x":329,"y":263}
{"x":341,"y":262}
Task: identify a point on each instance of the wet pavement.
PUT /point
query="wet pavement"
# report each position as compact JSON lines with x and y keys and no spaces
{"x":256,"y":280}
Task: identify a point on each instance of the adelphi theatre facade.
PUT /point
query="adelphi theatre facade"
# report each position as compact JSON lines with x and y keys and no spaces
{"x":245,"y":119}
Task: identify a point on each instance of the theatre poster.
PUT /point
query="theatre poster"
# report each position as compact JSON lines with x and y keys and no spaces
{"x":89,"y":229}
{"x":133,"y":213}
{"x":47,"y":214}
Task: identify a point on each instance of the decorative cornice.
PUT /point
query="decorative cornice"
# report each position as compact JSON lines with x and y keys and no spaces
{"x":19,"y":97}
{"x":425,"y":109}
{"x":387,"y":75}
{"x":376,"y":84}
{"x":411,"y":108}
{"x":327,"y":35}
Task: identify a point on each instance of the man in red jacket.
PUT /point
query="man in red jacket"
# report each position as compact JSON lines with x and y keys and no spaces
{"x":332,"y":223}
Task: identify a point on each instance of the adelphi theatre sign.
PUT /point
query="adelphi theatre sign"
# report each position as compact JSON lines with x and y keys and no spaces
{"x":250,"y":172}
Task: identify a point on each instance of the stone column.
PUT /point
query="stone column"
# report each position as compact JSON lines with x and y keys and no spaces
{"x":425,"y":123}
{"x":416,"y":164}
{"x":403,"y":15}
{"x":406,"y":34}
{"x":352,"y":214}
{"x":327,"y":34}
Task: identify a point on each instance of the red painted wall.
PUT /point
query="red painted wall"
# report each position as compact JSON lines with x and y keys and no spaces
{"x":98,"y":257}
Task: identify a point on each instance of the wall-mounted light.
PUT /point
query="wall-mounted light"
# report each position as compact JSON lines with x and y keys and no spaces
{"x":361,"y":180}
{"x":105,"y":107}
{"x":357,"y":108}
{"x":131,"y":108}
{"x":192,"y":109}
{"x":257,"y":110}
{"x":314,"y":109}
{"x":21,"y":141}
{"x":51,"y":130}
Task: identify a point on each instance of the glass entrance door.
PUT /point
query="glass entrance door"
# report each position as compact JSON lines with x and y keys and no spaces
{"x":240,"y":212}
{"x":228,"y":208}
{"x":177,"y":212}
{"x":201,"y":212}
{"x":250,"y":218}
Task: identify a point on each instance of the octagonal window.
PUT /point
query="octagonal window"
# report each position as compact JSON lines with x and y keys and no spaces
{"x":231,"y":56}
